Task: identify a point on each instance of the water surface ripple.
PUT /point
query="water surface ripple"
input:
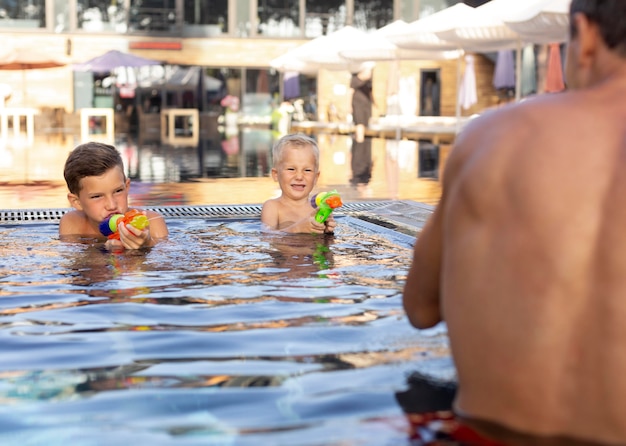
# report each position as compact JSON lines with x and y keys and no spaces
{"x":221,"y":335}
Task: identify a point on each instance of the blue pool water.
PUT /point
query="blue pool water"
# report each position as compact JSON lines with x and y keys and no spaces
{"x":219,"y":336}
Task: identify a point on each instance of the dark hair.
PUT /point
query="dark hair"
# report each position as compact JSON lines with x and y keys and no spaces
{"x":89,"y":160}
{"x":609,"y":15}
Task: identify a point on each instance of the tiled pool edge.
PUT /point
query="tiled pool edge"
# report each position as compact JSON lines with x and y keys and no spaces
{"x":404,"y":216}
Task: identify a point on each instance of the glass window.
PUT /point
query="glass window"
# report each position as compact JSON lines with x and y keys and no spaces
{"x":244,"y":22}
{"x":101,"y":16}
{"x":261,"y":87}
{"x":279,"y":18}
{"x":205,"y":18}
{"x":152,"y":15}
{"x":428,"y":7}
{"x":372,"y":14}
{"x":409,"y":10}
{"x":324,"y":17}
{"x":23,"y":13}
{"x":61,"y":16}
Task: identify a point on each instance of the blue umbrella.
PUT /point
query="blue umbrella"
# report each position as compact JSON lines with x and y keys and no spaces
{"x":113,"y":59}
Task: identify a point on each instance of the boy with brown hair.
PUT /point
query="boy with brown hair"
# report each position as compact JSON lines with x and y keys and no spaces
{"x":98,"y":189}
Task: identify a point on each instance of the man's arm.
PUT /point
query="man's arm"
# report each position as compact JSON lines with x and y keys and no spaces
{"x":422,"y":289}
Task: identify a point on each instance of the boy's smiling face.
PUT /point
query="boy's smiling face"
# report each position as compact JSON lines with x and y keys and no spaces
{"x":296,"y":173}
{"x":101,"y":196}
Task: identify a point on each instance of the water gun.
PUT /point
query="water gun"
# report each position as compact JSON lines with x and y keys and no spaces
{"x":109,"y":227}
{"x":326,"y":202}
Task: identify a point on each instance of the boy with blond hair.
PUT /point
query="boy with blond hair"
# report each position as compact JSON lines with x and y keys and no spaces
{"x":296,"y":169}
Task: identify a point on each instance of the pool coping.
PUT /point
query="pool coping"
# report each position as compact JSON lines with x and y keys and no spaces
{"x":404,"y":216}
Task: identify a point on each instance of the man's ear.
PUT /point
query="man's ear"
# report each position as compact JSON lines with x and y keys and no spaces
{"x":588,"y":36}
{"x":74,"y":201}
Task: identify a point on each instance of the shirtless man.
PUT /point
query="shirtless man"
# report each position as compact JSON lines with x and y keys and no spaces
{"x":525,"y":255}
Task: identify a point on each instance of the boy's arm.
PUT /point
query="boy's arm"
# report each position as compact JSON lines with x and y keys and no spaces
{"x":269,"y":215}
{"x":158,"y":227}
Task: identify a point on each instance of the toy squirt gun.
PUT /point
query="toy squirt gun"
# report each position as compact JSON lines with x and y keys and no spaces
{"x":326,"y":202}
{"x":109,"y":227}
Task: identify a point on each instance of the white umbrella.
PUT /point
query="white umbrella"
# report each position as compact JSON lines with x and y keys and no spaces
{"x":290,"y":62}
{"x":422,"y":34}
{"x":378,"y":46}
{"x":482,"y":30}
{"x":540,"y":21}
{"x":324,"y":51}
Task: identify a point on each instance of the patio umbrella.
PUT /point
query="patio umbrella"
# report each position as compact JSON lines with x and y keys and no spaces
{"x":290,"y":62}
{"x":539,"y":21}
{"x":421,"y":34}
{"x":113,"y":59}
{"x":378,"y":46}
{"x":324,"y":51}
{"x":28,"y":59}
{"x":554,"y":77}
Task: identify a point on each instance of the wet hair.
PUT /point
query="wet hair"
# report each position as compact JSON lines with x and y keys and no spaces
{"x":609,"y":16}
{"x":295,"y":140}
{"x":90,"y":159}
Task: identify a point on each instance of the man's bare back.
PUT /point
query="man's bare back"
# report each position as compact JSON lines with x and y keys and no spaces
{"x":525,"y":260}
{"x":548,"y":255}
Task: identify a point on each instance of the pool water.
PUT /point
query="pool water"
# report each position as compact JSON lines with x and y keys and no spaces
{"x":221,"y":335}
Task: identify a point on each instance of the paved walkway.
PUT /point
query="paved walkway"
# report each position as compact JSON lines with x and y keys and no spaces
{"x":32,"y":177}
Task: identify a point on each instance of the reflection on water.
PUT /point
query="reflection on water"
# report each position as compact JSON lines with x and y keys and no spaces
{"x":221,"y":335}
{"x":211,"y":173}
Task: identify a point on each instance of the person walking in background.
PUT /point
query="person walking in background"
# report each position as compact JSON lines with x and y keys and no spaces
{"x":526,"y":260}
{"x":362,"y":101}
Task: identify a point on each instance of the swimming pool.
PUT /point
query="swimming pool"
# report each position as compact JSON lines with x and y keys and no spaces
{"x":221,"y":335}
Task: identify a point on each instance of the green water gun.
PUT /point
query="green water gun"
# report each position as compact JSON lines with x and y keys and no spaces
{"x":326,"y":202}
{"x":109,"y":227}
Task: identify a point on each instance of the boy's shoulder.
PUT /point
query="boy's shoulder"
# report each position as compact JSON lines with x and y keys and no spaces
{"x":74,"y":222}
{"x":72,"y":215}
{"x":272,"y":203}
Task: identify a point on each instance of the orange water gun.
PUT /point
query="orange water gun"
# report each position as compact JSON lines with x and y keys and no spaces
{"x":109,"y":227}
{"x":326,"y":202}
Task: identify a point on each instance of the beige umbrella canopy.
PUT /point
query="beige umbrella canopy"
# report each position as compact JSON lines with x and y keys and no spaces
{"x":24,"y":59}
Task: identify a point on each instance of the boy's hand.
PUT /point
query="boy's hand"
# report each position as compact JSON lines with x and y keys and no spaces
{"x":330,"y":224}
{"x":310,"y":225}
{"x":133,"y":238}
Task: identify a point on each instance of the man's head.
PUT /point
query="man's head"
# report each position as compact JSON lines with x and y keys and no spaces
{"x":608,"y":15}
{"x":597,"y":30}
{"x":299,"y":141}
{"x":90,"y":159}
